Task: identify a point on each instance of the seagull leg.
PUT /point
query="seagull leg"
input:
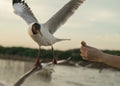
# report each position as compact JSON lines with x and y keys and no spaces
{"x":54,"y":58}
{"x":38,"y":61}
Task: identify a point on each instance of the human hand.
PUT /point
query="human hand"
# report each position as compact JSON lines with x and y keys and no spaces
{"x":91,"y":53}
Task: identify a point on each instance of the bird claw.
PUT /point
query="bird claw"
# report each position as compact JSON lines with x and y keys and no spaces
{"x":54,"y":61}
{"x":38,"y":63}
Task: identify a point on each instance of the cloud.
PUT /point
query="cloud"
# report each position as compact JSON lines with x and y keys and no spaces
{"x":108,"y":41}
{"x":102,"y":15}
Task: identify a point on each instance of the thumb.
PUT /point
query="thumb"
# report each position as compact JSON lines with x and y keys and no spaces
{"x":83,"y":44}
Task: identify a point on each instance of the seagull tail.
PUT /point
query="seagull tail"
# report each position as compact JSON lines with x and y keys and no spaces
{"x":62,"y":40}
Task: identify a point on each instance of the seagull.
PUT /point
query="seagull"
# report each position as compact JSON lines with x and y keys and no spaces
{"x":42,"y":34}
{"x":45,"y":69}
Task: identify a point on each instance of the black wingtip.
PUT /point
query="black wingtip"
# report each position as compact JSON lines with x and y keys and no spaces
{"x":18,"y":1}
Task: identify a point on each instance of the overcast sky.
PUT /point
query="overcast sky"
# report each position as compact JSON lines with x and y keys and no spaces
{"x":96,"y":21}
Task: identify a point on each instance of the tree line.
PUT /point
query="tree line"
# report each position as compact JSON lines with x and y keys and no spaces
{"x":47,"y":54}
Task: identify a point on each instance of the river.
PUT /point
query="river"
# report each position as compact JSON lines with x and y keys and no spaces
{"x":11,"y":70}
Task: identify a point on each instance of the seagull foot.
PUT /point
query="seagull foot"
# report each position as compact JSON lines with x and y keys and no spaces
{"x":38,"y":63}
{"x":54,"y":61}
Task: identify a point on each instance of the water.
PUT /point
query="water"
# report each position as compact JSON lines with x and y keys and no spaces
{"x":10,"y":71}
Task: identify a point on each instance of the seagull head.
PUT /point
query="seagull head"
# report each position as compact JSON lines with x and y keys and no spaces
{"x":36,"y":29}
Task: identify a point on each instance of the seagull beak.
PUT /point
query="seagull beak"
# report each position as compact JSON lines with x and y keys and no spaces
{"x":40,"y":33}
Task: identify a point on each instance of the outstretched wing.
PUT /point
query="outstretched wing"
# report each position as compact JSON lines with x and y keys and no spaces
{"x":22,"y":9}
{"x":62,"y":15}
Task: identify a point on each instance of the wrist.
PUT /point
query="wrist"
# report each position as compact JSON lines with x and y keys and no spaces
{"x":105,"y":57}
{"x":102,"y":57}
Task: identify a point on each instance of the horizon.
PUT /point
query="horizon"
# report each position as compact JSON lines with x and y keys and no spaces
{"x":50,"y":49}
{"x":95,"y":22}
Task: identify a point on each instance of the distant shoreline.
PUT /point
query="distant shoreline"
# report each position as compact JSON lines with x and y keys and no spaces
{"x":83,"y":63}
{"x":16,"y":57}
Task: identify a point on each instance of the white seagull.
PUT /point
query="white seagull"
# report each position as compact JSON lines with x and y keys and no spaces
{"x":43,"y":33}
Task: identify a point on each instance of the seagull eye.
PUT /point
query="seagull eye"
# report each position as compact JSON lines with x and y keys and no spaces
{"x":37,"y":26}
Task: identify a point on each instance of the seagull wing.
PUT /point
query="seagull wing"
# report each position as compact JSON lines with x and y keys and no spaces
{"x":62,"y":15}
{"x":22,"y":9}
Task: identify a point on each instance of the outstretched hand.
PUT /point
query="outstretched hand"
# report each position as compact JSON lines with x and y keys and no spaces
{"x":90,"y":53}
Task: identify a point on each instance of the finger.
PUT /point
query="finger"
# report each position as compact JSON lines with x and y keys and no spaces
{"x":83,"y":49}
{"x":83,"y":56}
{"x":85,"y":45}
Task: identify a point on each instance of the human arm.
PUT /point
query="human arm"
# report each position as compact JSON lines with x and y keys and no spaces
{"x":94,"y":54}
{"x":111,"y":60}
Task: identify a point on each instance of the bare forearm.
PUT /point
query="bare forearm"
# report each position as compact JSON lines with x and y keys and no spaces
{"x":111,"y":60}
{"x":94,"y":54}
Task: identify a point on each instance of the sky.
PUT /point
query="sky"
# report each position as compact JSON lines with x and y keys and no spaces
{"x":96,"y":22}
